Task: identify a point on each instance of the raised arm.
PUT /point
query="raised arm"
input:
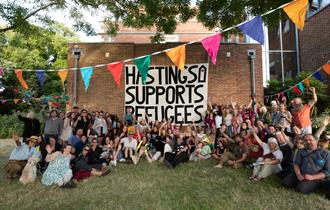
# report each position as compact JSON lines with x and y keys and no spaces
{"x":287,"y":139}
{"x":314,"y":100}
{"x":256,"y":137}
{"x":325,"y":123}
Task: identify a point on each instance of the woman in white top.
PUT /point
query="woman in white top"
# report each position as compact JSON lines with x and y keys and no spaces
{"x":228,"y":121}
{"x":67,"y":127}
{"x":270,"y":162}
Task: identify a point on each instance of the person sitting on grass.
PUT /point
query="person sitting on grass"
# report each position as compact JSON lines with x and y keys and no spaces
{"x":58,"y":171}
{"x":270,"y":162}
{"x":203,"y":150}
{"x":20,"y":154}
{"x":94,"y":155}
{"x":172,"y":160}
{"x":236,"y":154}
{"x":83,"y":170}
{"x":311,"y":168}
{"x":129,"y":145}
{"x":141,"y":149}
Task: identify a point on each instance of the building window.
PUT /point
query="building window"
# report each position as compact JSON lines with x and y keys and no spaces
{"x":315,"y":6}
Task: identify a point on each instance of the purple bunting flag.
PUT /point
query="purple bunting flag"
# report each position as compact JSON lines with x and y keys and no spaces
{"x":254,"y":29}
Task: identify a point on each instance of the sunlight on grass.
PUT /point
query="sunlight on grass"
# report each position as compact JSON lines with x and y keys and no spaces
{"x":189,"y":186}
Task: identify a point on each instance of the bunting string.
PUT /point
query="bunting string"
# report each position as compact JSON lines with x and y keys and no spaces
{"x":302,"y":81}
{"x":169,"y":49}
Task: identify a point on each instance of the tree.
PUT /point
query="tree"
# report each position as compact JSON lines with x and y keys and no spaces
{"x":164,"y":15}
{"x":43,"y":49}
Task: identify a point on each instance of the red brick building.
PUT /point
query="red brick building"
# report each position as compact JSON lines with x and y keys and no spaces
{"x":230,"y":77}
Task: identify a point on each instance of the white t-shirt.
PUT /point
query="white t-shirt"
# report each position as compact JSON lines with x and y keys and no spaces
{"x":218,"y":121}
{"x":228,"y":119}
{"x":130,"y":144}
{"x":167,"y":148}
{"x":278,"y":153}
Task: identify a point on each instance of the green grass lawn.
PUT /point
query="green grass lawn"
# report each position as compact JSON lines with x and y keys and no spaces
{"x":189,"y":186}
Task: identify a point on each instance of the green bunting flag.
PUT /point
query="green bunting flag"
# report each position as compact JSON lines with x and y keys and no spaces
{"x":143,"y":64}
{"x":301,"y":87}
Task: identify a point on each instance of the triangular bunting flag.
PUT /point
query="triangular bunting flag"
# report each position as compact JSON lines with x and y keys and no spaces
{"x":143,"y":64}
{"x":318,"y":76}
{"x":116,"y":70}
{"x":254,"y":29}
{"x":86,"y":74}
{"x":16,"y":100}
{"x":296,"y":90}
{"x":4,"y":101}
{"x":301,"y":87}
{"x":19,"y":75}
{"x":297,"y":12}
{"x":178,"y":56}
{"x":62,"y":74}
{"x":326,"y":68}
{"x":211,"y":45}
{"x":307,"y":82}
{"x":41,"y":77}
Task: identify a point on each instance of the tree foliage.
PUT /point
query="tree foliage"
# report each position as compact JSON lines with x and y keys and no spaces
{"x":164,"y":15}
{"x":43,"y":49}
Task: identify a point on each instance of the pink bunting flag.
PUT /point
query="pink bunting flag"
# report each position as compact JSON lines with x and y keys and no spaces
{"x":211,"y":45}
{"x":4,"y":101}
{"x":116,"y":70}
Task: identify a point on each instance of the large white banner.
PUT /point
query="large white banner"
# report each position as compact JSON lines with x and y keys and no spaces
{"x":168,"y":93}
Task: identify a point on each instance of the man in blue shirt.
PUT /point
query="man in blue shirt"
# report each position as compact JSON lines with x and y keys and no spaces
{"x":20,"y":154}
{"x":311,"y":168}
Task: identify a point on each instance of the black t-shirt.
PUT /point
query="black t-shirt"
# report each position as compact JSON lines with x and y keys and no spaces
{"x":287,"y":156}
{"x":160,"y":144}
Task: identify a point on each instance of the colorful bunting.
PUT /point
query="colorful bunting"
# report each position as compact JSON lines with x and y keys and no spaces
{"x":178,"y":56}
{"x":63,"y":74}
{"x":86,"y":74}
{"x":326,"y":68}
{"x":301,"y":87}
{"x":297,"y":12}
{"x":116,"y":70}
{"x":318,"y":76}
{"x":19,"y":75}
{"x":16,"y":100}
{"x":254,"y":29}
{"x":296,"y":90}
{"x":307,"y":82}
{"x":211,"y":45}
{"x":41,"y":77}
{"x":143,"y":64}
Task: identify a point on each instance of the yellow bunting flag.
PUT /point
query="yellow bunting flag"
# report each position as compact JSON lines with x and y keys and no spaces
{"x":307,"y":82}
{"x":19,"y":75}
{"x":63,"y":74}
{"x":326,"y":68}
{"x":16,"y":100}
{"x":297,"y":12}
{"x":178,"y":56}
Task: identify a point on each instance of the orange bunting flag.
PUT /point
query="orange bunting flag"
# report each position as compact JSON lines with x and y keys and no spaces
{"x":326,"y":68}
{"x":307,"y":82}
{"x":19,"y":75}
{"x":63,"y":74}
{"x":178,"y":56}
{"x":297,"y":12}
{"x":16,"y":100}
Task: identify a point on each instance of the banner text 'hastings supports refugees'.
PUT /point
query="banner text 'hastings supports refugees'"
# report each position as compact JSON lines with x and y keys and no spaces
{"x":168,"y":93}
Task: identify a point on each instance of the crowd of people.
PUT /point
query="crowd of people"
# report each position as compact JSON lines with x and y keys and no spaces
{"x":275,"y":140}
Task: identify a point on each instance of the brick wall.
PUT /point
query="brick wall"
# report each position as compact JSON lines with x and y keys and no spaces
{"x":314,"y":41}
{"x":230,"y":77}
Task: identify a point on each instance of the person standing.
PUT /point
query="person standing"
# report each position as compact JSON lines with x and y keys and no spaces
{"x":53,"y":124}
{"x":31,"y":125}
{"x":301,"y":113}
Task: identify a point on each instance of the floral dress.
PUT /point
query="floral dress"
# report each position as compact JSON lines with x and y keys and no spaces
{"x":58,"y":171}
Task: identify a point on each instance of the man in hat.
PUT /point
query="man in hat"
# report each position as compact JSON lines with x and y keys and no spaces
{"x":20,"y":154}
{"x":311,"y":168}
{"x":53,"y":124}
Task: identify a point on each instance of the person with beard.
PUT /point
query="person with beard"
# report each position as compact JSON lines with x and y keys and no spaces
{"x":311,"y":168}
{"x":301,"y":113}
